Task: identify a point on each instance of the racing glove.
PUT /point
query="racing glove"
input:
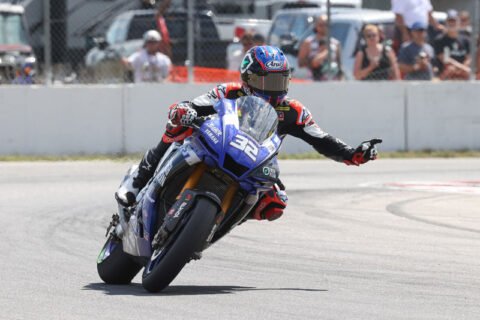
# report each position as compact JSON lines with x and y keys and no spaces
{"x":365,"y":152}
{"x":181,"y":114}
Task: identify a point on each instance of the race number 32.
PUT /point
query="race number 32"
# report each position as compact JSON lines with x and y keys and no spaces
{"x":244,"y":144}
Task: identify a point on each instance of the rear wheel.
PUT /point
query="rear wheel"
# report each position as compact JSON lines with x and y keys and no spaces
{"x":169,"y":260}
{"x":115,"y":266}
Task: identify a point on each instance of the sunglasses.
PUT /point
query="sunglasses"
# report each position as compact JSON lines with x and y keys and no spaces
{"x":371,"y":35}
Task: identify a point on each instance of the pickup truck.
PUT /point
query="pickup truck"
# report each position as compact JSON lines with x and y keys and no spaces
{"x":14,"y":45}
{"x":124,"y":37}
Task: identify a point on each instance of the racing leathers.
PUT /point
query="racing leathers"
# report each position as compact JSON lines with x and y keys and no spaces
{"x":294,"y":119}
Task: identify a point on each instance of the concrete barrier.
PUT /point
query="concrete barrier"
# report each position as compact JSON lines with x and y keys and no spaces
{"x":443,"y":116}
{"x":116,"y":119}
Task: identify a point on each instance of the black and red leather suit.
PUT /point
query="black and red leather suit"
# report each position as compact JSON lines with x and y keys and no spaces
{"x":293,"y":119}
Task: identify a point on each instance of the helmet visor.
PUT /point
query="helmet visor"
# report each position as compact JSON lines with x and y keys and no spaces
{"x":270,"y":82}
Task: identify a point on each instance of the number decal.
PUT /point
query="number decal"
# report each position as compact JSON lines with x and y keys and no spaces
{"x":244,"y":144}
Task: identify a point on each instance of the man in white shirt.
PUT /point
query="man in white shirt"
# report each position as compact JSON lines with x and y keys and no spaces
{"x":148,"y":64}
{"x":407,"y":12}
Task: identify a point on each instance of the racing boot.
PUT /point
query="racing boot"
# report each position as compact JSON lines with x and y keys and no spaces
{"x":270,"y":206}
{"x":138,"y":176}
{"x":128,"y":191}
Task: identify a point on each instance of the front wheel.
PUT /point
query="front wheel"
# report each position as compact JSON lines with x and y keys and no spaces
{"x":169,"y":260}
{"x":114,"y":266}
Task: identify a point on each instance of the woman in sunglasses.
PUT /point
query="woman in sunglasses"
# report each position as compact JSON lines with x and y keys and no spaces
{"x":375,"y":61}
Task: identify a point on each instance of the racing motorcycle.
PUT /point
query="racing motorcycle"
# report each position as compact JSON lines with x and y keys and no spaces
{"x":200,"y":191}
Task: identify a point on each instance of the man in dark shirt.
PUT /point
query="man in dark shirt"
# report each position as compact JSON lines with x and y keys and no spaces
{"x":453,"y":51}
{"x":414,"y":58}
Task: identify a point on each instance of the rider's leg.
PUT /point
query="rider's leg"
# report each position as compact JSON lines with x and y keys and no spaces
{"x":129,"y":189}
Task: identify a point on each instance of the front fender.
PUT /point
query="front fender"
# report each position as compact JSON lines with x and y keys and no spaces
{"x":183,"y":205}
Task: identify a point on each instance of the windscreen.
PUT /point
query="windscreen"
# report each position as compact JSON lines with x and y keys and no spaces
{"x":256,"y":117}
{"x":11,"y":29}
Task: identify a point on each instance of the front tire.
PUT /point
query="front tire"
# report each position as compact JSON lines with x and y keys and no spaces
{"x":161,"y":270}
{"x":114,"y":266}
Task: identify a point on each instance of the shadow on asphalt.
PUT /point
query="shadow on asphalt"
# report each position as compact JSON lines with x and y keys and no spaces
{"x":136,"y":289}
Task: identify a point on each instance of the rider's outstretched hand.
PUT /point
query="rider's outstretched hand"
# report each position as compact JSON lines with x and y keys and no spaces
{"x":365,"y":152}
{"x":182,"y":114}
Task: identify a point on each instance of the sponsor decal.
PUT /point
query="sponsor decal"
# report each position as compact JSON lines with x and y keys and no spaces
{"x":283,"y":108}
{"x":270,"y":172}
{"x":274,"y":65}
{"x":211,"y":95}
{"x":305,"y":115}
{"x":215,"y":130}
{"x":246,"y":63}
{"x":165,"y":172}
{"x":180,"y":209}
{"x":222,"y":89}
{"x":281,"y":116}
{"x":211,"y":136}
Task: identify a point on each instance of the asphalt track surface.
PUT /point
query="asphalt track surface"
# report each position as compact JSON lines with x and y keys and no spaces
{"x":354,"y":244}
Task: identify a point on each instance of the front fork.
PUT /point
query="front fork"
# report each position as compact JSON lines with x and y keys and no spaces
{"x":184,"y":201}
{"x":195,"y":177}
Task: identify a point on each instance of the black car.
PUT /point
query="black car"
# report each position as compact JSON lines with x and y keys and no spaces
{"x":124,"y":37}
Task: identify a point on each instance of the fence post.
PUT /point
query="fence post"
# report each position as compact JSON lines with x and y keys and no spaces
{"x":329,"y":57}
{"x":47,"y":40}
{"x":474,"y":38}
{"x":190,"y":39}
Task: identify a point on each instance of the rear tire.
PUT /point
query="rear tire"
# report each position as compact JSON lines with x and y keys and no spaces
{"x":179,"y":251}
{"x":115,"y":266}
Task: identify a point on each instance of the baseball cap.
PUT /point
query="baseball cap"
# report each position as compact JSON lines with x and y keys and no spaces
{"x":152,"y":35}
{"x":418,"y":26}
{"x":452,"y":14}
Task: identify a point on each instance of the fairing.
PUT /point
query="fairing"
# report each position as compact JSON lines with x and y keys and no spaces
{"x":234,"y":141}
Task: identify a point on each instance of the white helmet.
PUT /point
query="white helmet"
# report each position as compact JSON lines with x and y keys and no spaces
{"x":152,"y":35}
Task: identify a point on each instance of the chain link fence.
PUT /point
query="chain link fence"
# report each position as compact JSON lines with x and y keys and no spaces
{"x":90,"y":42}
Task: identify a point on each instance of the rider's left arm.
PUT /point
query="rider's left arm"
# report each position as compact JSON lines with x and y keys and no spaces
{"x":322,"y":141}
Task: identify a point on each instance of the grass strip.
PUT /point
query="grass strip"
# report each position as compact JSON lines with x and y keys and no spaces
{"x":300,"y":156}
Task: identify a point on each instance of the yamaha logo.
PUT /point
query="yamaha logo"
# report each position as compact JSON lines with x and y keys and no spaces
{"x":274,"y":65}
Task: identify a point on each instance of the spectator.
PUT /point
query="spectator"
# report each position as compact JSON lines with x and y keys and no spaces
{"x":407,"y":12}
{"x":237,"y":56}
{"x":414,"y":58}
{"x":25,"y":74}
{"x":313,"y":53}
{"x":258,"y":39}
{"x":453,"y":51}
{"x":465,"y":24}
{"x":375,"y":61}
{"x":148,"y":64}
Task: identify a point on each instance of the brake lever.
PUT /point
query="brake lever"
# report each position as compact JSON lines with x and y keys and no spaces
{"x":197,"y":123}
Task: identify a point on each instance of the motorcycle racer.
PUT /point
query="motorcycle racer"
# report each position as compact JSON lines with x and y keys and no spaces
{"x":265,"y":73}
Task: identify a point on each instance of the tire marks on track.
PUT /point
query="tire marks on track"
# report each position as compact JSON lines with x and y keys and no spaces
{"x":398,"y":209}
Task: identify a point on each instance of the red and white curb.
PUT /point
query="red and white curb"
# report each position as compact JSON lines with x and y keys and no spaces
{"x":463,"y":187}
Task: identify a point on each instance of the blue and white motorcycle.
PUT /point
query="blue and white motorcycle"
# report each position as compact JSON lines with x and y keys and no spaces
{"x":200,"y":191}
